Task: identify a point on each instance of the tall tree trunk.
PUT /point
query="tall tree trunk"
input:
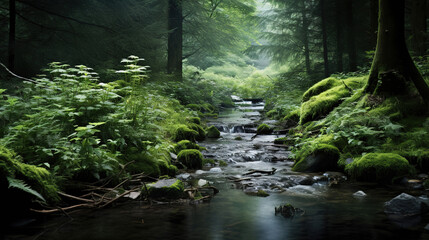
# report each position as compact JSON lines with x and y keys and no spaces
{"x":351,"y":38}
{"x":12,"y":33}
{"x":392,"y":55}
{"x":373,"y":19}
{"x":305,"y":24}
{"x":418,"y":21}
{"x":324,"y":37}
{"x":339,"y":36}
{"x":175,"y":38}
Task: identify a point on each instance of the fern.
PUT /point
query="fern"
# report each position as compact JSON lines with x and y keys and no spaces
{"x":21,"y":185}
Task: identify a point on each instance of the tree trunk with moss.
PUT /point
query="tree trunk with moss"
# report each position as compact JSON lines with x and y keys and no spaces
{"x":392,"y":68}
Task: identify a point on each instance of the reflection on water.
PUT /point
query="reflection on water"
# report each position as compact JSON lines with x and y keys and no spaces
{"x":234,"y":215}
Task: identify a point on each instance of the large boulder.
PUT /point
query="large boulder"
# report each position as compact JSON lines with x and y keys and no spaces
{"x":379,"y":167}
{"x":405,"y":205}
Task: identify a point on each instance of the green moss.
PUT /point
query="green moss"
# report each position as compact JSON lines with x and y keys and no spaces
{"x":212,"y":132}
{"x":209,"y":161}
{"x":186,"y":144}
{"x":184,"y":133}
{"x":262,"y":193}
{"x":195,"y":120}
{"x":379,"y":167}
{"x":320,"y":87}
{"x":238,"y":138}
{"x":264,"y":129}
{"x":418,"y":157}
{"x":222,"y":163}
{"x":38,"y":178}
{"x":293,"y":116}
{"x":191,"y":158}
{"x":321,"y":157}
{"x":284,"y":140}
{"x":324,"y":96}
{"x":201,"y":133}
{"x":167,"y":188}
{"x":322,"y":104}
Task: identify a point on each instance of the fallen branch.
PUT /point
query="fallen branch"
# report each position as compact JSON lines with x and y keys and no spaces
{"x":252,"y":171}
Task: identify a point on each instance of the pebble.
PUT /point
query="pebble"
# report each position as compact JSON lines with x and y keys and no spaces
{"x":216,"y":170}
{"x":359,"y":194}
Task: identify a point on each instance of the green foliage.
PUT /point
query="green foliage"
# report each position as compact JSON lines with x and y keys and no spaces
{"x":264,"y":129}
{"x":77,"y":126}
{"x":36,"y":181}
{"x":212,"y":132}
{"x":379,"y":167}
{"x":191,"y":158}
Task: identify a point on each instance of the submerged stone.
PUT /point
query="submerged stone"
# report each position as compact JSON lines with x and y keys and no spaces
{"x":405,"y":205}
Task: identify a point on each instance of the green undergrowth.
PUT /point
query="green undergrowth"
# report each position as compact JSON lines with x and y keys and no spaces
{"x":357,"y":124}
{"x":36,"y":181}
{"x":79,"y":127}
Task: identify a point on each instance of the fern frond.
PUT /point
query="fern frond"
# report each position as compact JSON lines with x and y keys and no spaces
{"x":21,"y":185}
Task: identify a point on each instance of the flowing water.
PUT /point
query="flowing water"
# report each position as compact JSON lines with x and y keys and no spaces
{"x":329,"y":212}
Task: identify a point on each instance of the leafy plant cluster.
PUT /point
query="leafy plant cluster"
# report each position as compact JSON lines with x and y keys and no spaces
{"x":71,"y":123}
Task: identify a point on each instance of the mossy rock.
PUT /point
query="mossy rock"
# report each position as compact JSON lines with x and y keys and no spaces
{"x":212,"y":132}
{"x":323,"y":157}
{"x":191,"y":158}
{"x":165,"y":188}
{"x":195,"y":120}
{"x":284,"y":140}
{"x":379,"y":167}
{"x":37,"y":179}
{"x":326,"y":95}
{"x":320,"y":87}
{"x":185,"y":133}
{"x":264,"y":129}
{"x":200,"y":130}
{"x":186,"y":144}
{"x":292,"y":118}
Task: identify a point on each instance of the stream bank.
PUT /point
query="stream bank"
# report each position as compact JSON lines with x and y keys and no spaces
{"x":330,"y":212}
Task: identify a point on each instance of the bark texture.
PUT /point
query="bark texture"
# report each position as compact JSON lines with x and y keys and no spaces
{"x":175,"y":38}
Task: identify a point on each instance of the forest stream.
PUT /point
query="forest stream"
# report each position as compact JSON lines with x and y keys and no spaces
{"x":330,"y":211}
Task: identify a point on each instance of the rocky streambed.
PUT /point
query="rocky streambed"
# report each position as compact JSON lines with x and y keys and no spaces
{"x":317,"y":206}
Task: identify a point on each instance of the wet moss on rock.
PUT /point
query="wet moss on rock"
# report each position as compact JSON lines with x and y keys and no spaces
{"x":200,"y":130}
{"x":264,"y":129}
{"x":185,"y":133}
{"x":165,"y":188}
{"x":324,"y":96}
{"x":191,"y":158}
{"x":319,"y":158}
{"x":212,"y":132}
{"x":379,"y":167}
{"x":195,"y":120}
{"x":186,"y":144}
